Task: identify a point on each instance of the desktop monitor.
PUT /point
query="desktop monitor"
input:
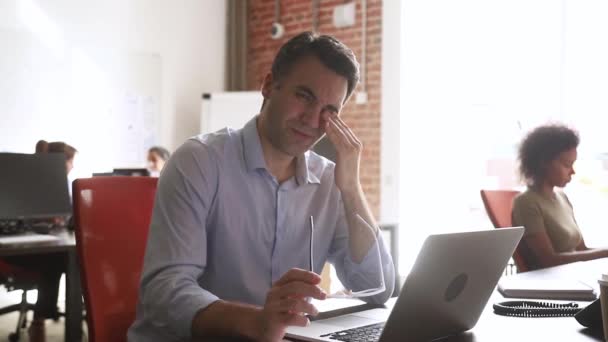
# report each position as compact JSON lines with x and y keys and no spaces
{"x":33,"y":186}
{"x":103,"y":174}
{"x":131,"y":172}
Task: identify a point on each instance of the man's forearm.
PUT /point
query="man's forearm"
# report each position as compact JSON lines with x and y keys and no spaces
{"x":360,"y":237}
{"x":227,"y":319}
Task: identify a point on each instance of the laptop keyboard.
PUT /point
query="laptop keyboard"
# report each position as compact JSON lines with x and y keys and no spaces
{"x":365,"y":333}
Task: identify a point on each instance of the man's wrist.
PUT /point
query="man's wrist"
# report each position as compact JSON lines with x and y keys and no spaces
{"x":253,"y":324}
{"x":244,"y":321}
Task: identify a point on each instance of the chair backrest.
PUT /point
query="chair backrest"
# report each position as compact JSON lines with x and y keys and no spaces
{"x":112,"y":217}
{"x":14,"y":277}
{"x":499,"y":204}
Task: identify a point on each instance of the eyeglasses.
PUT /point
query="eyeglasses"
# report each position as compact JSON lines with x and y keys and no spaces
{"x":349,"y":293}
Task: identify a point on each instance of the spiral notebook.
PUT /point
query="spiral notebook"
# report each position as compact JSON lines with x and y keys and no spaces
{"x":559,"y":289}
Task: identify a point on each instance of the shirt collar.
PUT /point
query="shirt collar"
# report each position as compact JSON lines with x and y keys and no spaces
{"x":252,"y":147}
{"x":305,"y":170}
{"x":254,"y":157}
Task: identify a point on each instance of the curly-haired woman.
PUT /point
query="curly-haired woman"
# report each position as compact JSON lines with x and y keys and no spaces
{"x":546,"y":162}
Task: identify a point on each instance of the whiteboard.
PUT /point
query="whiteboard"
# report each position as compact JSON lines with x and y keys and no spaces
{"x":229,"y":109}
{"x":104,"y":102}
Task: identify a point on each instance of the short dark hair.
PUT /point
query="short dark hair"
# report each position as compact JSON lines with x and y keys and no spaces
{"x":42,"y":146}
{"x":161,"y":151}
{"x":329,"y":50}
{"x":542,"y":145}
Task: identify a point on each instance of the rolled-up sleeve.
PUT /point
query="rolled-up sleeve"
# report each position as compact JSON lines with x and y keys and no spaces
{"x":364,"y":275}
{"x":176,"y":253}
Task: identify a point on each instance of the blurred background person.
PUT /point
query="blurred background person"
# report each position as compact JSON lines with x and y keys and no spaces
{"x":157,"y":156}
{"x":43,"y":146}
{"x":50,"y":266}
{"x":546,"y":162}
{"x":69,"y":151}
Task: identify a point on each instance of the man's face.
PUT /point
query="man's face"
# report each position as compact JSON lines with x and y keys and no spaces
{"x":292,"y":118}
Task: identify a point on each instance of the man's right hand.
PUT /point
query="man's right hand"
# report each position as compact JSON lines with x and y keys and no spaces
{"x":286,"y":303}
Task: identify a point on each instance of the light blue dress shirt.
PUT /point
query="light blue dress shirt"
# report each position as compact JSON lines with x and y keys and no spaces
{"x":223,"y":227}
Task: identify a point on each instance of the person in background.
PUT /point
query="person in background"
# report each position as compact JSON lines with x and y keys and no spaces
{"x":49,"y":266}
{"x":157,"y":157}
{"x":43,"y":146}
{"x":234,"y":212}
{"x":69,"y":151}
{"x":546,"y":162}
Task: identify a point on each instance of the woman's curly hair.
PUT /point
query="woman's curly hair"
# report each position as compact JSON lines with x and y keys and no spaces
{"x":541,"y":146}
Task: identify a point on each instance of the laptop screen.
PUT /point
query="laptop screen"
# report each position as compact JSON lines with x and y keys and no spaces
{"x":33,"y":186}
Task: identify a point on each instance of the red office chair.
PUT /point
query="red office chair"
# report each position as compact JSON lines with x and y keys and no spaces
{"x":499,"y":204}
{"x":16,"y":278}
{"x":112,"y":215}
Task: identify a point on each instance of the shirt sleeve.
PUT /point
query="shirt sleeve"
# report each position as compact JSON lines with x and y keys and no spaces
{"x":361,"y":276}
{"x":176,"y":253}
{"x":527,"y":213}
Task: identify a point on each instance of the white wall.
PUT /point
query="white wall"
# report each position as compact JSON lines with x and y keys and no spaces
{"x":76,"y":65}
{"x":391,"y":111}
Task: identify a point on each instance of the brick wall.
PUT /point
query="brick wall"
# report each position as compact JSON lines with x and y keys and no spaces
{"x":296,"y":16}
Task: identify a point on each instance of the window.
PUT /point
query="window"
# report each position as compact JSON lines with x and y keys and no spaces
{"x":475,"y":76}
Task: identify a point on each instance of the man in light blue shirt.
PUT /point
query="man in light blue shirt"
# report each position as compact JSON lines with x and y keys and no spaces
{"x":227,"y":252}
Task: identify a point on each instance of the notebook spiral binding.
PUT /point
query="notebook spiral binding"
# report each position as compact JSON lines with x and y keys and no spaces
{"x":535,"y":309}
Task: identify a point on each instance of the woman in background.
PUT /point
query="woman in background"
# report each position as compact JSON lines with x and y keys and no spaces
{"x":48,"y":266}
{"x":546,"y":162}
{"x":58,"y":147}
{"x":157,"y":156}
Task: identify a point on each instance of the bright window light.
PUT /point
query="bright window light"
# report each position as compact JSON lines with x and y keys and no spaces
{"x":476,"y":76}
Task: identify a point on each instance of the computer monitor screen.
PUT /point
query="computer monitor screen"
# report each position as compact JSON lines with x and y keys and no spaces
{"x":103,"y":174}
{"x":131,"y":172}
{"x":33,"y":186}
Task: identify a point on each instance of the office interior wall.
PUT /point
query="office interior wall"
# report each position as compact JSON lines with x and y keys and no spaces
{"x":297,"y":16}
{"x":72,"y":69}
{"x":392,"y":57}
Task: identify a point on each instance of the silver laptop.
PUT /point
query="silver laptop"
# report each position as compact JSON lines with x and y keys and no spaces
{"x":444,"y":294}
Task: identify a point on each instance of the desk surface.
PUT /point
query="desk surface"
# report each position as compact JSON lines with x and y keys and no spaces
{"x":66,"y":242}
{"x":492,"y":327}
{"x":495,"y":328}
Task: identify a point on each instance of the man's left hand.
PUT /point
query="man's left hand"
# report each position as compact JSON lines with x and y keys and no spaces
{"x":348,"y":149}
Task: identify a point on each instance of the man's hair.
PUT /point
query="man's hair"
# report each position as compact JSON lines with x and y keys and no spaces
{"x":329,"y":50}
{"x":541,"y":146}
{"x":162,"y":152}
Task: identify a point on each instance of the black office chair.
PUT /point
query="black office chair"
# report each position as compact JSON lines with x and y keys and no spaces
{"x":14,"y":278}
